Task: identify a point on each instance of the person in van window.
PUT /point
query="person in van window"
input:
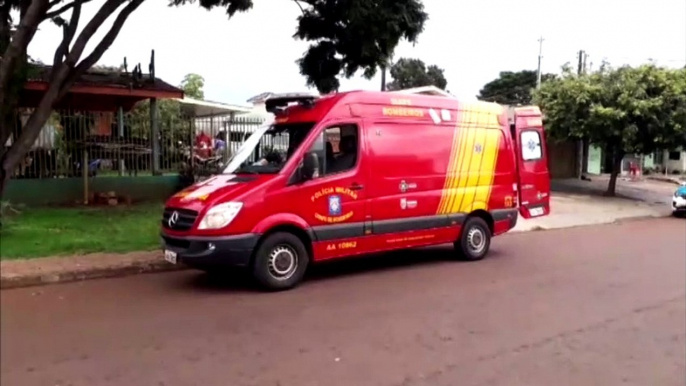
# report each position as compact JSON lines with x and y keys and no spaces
{"x":330,"y":159}
{"x":346,"y":160}
{"x":272,"y":157}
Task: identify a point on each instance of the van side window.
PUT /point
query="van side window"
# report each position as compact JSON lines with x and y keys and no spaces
{"x":341,"y":144}
{"x":531,"y":145}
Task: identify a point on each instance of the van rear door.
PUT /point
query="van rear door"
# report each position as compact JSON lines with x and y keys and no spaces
{"x":532,"y":162}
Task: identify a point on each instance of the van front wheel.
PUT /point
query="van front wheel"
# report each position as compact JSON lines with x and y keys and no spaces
{"x":475,"y":240}
{"x":280,"y":262}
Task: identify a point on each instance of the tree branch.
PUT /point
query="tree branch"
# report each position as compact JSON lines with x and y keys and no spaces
{"x":103,"y":46}
{"x":68,"y":33}
{"x":64,"y":8}
{"x":17,"y":47}
{"x":103,"y":14}
{"x":66,"y":74}
{"x":299,"y":6}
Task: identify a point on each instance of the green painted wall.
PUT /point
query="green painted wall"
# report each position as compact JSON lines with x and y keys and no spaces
{"x":51,"y":191}
{"x":649,"y":161}
{"x":595,"y":159}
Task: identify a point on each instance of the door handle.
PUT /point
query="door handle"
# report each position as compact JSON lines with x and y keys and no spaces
{"x":356,"y":186}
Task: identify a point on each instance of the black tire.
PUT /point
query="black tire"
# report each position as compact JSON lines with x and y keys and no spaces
{"x":271,"y":266}
{"x":467,"y":250}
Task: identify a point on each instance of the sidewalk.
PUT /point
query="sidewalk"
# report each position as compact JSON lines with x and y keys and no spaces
{"x":24,"y":273}
{"x":571,"y":210}
{"x":646,"y":190}
{"x":568,"y":210}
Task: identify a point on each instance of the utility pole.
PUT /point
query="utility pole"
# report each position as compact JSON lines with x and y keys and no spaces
{"x":580,"y":144}
{"x":580,"y":69}
{"x":540,"y":56}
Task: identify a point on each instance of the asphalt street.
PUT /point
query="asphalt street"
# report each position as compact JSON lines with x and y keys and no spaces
{"x":601,"y":305}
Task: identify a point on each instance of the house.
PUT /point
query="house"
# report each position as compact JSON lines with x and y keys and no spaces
{"x":669,"y":162}
{"x":208,"y":116}
{"x":258,"y":109}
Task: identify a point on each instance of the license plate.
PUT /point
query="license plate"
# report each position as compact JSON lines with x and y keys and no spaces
{"x":536,"y":212}
{"x":170,"y":256}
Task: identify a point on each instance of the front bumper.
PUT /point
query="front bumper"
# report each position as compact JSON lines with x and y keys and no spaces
{"x":203,"y":252}
{"x":679,"y":204}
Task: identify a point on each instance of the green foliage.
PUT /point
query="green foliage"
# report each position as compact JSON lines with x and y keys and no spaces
{"x":173,"y":123}
{"x":347,"y":36}
{"x":625,"y":110}
{"x":512,"y":88}
{"x":232,"y":6}
{"x":409,"y":73}
{"x":640,"y":110}
{"x":192,"y":85}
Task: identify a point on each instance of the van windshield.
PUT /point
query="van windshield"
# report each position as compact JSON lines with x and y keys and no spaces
{"x":268,"y":149}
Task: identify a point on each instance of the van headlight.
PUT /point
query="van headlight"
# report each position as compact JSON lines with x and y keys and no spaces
{"x":220,"y":215}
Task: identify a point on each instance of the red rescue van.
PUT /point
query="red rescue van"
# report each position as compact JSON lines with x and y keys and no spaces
{"x":362,"y":172}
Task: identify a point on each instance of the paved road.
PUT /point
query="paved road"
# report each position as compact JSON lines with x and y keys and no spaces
{"x":588,"y":306}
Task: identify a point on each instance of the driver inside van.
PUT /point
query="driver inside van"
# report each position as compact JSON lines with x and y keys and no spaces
{"x":272,"y":157}
{"x":346,"y":160}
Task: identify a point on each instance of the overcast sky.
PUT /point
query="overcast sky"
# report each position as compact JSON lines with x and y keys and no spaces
{"x":472,"y":40}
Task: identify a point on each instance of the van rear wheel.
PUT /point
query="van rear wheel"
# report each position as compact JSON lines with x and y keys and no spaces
{"x":280,"y":262}
{"x":475,"y":240}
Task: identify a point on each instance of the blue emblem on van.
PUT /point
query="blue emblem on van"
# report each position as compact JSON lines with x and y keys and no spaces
{"x":334,"y":205}
{"x":531,"y":145}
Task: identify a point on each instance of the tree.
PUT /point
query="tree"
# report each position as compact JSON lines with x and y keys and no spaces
{"x":624,"y":110}
{"x":409,"y":73}
{"x":192,"y":85}
{"x":170,"y":114}
{"x":512,"y":88}
{"x":347,"y":37}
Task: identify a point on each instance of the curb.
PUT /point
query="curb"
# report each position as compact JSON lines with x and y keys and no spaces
{"x":617,"y":221}
{"x":7,"y":282}
{"x":668,"y":180}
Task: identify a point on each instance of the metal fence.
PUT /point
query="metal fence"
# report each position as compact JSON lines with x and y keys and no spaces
{"x":110,"y":144}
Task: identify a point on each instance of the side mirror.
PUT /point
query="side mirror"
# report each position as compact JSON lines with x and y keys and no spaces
{"x":310,"y":167}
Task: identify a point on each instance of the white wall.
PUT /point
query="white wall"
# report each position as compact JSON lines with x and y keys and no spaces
{"x":679,"y":165}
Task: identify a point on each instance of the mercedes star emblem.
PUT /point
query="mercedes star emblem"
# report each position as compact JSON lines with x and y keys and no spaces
{"x":173,"y":219}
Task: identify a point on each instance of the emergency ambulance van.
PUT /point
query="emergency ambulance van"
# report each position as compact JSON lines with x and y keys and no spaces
{"x":364,"y":172}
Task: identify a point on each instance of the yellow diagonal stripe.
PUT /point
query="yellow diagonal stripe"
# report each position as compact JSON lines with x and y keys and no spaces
{"x":464,"y":170}
{"x":457,"y":174}
{"x":454,"y":154}
{"x":488,"y":167}
{"x":470,"y":173}
{"x":474,"y":171}
{"x":447,"y":194}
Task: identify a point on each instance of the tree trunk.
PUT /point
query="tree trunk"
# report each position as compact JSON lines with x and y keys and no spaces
{"x":616,"y":169}
{"x":4,"y":178}
{"x":584,"y":157}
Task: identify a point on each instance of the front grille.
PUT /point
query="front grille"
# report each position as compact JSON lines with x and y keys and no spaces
{"x":176,"y":243}
{"x":186,"y":219}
